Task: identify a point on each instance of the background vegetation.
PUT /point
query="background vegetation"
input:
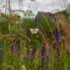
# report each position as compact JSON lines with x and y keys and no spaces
{"x":22,"y":50}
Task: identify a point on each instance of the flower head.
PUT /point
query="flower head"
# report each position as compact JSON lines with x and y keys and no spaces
{"x":34,"y":50}
{"x":43,"y":54}
{"x":56,"y":34}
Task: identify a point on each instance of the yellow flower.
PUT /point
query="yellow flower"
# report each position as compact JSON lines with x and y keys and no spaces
{"x":23,"y":67}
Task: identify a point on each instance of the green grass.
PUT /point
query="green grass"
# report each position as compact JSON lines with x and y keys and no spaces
{"x":17,"y":43}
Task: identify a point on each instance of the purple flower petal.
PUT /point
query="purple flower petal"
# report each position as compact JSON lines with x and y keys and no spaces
{"x":56,"y":34}
{"x":34,"y":50}
{"x":43,"y":54}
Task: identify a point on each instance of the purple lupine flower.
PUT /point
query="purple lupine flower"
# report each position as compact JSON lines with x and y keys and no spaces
{"x":34,"y":50}
{"x":43,"y":55}
{"x":56,"y":35}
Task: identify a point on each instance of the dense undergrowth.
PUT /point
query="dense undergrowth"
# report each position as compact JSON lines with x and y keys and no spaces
{"x":22,"y":50}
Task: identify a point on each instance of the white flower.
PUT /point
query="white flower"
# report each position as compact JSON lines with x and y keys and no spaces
{"x":34,"y":31}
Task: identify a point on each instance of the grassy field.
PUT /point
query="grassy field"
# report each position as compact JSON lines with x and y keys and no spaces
{"x":22,"y":50}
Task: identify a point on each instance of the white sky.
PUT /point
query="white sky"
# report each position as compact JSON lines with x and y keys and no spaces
{"x":42,"y":5}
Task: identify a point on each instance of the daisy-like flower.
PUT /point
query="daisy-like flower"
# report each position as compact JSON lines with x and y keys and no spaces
{"x":34,"y":31}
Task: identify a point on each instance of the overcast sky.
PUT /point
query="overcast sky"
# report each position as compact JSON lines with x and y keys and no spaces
{"x":41,"y":5}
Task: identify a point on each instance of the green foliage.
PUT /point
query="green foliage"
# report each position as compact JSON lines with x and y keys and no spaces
{"x":14,"y":28}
